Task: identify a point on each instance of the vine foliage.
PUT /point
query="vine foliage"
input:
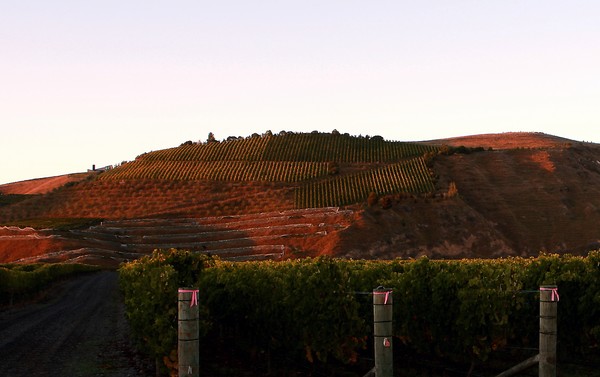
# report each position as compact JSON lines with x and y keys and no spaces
{"x":313,"y":309}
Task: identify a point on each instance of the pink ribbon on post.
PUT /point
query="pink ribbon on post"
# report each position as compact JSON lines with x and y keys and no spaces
{"x":554,"y":296}
{"x":194,"y":293}
{"x":387,"y":295}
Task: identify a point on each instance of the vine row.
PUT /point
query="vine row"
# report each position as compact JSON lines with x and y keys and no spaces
{"x":296,"y":147}
{"x":412,"y":176}
{"x":461,"y":310}
{"x":271,"y":171}
{"x":249,"y":149}
{"x":341,"y":148}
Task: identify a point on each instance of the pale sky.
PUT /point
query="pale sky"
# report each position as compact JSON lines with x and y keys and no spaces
{"x":87,"y":82}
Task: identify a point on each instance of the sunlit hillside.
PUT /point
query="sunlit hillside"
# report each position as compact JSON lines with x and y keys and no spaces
{"x":292,"y":195}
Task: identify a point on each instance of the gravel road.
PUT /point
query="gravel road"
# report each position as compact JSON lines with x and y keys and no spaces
{"x":78,"y":330}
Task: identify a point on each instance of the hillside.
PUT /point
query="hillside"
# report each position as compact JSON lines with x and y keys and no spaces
{"x":294,"y":195}
{"x":40,"y":185}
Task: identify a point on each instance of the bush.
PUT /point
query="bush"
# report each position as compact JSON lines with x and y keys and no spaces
{"x":373,"y":199}
{"x":20,"y":282}
{"x":386,"y":202}
{"x":150,"y":286}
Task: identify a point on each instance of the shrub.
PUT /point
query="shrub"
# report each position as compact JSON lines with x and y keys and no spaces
{"x":373,"y":199}
{"x":452,"y":190}
{"x":386,"y":202}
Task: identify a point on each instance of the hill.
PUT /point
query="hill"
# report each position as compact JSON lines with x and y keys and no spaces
{"x":507,"y":140}
{"x":40,"y":185}
{"x":294,"y":195}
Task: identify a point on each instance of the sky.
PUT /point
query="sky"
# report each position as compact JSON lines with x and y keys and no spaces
{"x":92,"y":82}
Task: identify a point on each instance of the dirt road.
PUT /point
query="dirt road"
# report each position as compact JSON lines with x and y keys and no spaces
{"x":79,"y":330}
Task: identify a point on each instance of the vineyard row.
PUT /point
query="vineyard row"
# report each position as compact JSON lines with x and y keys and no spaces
{"x":295,"y":147}
{"x":251,"y":149}
{"x":339,"y":148}
{"x":411,"y":176}
{"x":271,"y":171}
{"x":463,"y":311}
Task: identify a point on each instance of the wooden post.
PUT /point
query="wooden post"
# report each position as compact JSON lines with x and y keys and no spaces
{"x":548,"y":330}
{"x":382,"y":332}
{"x":188,"y":346}
{"x":546,"y":358}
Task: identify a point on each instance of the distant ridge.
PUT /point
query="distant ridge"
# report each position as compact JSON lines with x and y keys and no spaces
{"x":506,"y":140}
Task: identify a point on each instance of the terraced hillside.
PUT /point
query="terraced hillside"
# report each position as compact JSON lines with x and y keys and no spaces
{"x":271,"y":235}
{"x":241,"y":198}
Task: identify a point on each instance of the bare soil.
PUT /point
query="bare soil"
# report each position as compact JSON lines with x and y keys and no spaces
{"x":77,"y":329}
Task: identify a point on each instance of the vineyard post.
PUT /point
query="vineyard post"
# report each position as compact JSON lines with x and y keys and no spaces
{"x":546,"y":358}
{"x":548,"y":330}
{"x":382,"y":331}
{"x":188,"y":345}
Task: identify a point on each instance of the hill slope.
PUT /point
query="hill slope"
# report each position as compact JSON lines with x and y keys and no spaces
{"x":520,"y":193}
{"x":510,"y":202}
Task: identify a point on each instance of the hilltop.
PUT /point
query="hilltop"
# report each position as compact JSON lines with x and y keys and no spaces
{"x":295,"y":195}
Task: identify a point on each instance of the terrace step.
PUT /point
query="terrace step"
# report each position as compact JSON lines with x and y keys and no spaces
{"x":213,"y":246}
{"x":239,"y":237}
{"x":229,"y":233}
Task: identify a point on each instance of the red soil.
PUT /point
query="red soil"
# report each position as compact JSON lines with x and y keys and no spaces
{"x":18,"y":243}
